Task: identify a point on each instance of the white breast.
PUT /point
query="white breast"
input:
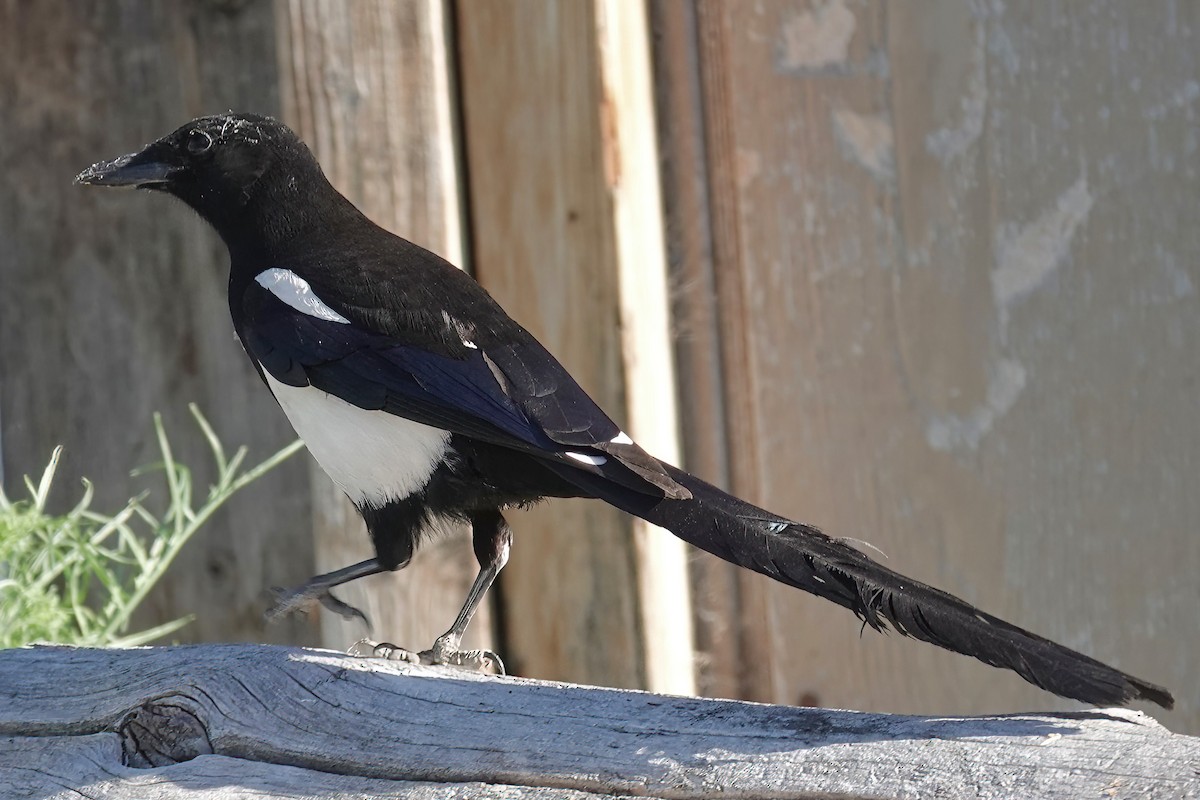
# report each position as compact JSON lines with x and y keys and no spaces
{"x":372,"y":456}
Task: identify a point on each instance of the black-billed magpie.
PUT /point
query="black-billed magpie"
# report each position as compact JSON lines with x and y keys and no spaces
{"x":422,"y":399}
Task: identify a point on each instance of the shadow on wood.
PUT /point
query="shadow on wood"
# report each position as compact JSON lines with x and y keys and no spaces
{"x":225,"y":721}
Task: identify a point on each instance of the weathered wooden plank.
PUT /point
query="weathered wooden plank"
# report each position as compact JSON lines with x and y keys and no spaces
{"x":113,"y":306}
{"x":544,"y":246}
{"x":289,"y":715}
{"x":367,"y":85}
{"x":948,"y":238}
{"x":635,"y":185}
{"x":709,"y":341}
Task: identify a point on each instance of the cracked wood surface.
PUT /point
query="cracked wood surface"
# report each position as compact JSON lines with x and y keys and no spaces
{"x":233,"y":721}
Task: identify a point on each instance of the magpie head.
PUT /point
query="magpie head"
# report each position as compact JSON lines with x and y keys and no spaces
{"x":217,"y":165}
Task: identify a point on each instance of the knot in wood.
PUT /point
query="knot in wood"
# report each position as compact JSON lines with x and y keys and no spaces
{"x":163,"y":731}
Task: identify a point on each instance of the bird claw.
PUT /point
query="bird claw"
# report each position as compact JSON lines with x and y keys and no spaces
{"x":305,"y":599}
{"x":442,"y":654}
{"x":366,"y":648}
{"x":471,"y":660}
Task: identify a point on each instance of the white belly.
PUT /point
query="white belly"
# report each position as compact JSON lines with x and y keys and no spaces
{"x":372,"y":456}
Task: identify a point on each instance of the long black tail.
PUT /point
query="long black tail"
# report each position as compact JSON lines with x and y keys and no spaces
{"x":804,"y":557}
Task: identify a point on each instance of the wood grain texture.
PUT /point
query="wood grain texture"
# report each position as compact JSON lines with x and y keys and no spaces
{"x":635,"y":186}
{"x":67,"y":768}
{"x":112,"y":305}
{"x":953,"y":242}
{"x":700,"y":346}
{"x":544,"y":246}
{"x":367,"y":85}
{"x":229,"y":721}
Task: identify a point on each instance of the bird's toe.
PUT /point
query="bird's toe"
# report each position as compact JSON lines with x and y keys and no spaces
{"x":306,"y":599}
{"x":367,"y":648}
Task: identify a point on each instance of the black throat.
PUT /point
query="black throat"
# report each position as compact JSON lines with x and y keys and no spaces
{"x":287,"y":206}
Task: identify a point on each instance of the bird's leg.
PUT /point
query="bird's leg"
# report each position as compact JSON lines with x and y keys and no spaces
{"x":316,"y":590}
{"x":492,"y":539}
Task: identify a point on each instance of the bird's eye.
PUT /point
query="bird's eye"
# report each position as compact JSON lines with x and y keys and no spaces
{"x":198,"y":141}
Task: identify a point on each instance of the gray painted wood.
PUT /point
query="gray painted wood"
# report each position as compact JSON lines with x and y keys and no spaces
{"x":955,"y":260}
{"x":327,"y":725}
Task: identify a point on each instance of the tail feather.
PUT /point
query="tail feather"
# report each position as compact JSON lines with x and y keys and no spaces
{"x":802,"y":556}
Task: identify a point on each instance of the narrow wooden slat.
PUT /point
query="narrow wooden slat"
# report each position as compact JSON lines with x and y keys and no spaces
{"x":731,"y":604}
{"x":631,"y":158}
{"x":544,"y":245}
{"x":367,"y":85}
{"x":695,"y":328}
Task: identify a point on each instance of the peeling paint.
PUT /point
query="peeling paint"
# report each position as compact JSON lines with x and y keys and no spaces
{"x":1181,"y":284}
{"x":748,"y":165}
{"x":1003,"y":51}
{"x":810,"y":218}
{"x":949,"y":143}
{"x":1026,"y":257}
{"x":866,"y":140}
{"x":819,"y":37}
{"x":1170,"y":282}
{"x":947,"y":432}
{"x":1181,"y":99}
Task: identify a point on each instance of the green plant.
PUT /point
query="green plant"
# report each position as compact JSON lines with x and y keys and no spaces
{"x":77,"y":578}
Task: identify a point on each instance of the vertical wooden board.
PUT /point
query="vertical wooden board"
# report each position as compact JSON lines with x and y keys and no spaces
{"x":702,"y":340}
{"x":635,"y":186}
{"x":790,"y":297}
{"x":543,"y":242}
{"x":821,"y":264}
{"x":112,"y":305}
{"x":970,"y":298}
{"x":367,"y":85}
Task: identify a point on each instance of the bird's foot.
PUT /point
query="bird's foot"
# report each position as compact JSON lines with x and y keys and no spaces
{"x":368,"y":648}
{"x":444,"y":652}
{"x":306,"y":598}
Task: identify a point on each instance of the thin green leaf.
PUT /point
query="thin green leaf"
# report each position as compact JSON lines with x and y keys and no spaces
{"x":150,"y":634}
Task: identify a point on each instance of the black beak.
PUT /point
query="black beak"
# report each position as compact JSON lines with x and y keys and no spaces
{"x":136,"y":169}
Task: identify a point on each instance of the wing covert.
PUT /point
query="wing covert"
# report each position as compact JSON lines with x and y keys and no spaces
{"x":513,"y":394}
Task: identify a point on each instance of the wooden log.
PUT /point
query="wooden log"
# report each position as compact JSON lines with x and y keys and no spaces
{"x":559,"y":128}
{"x":631,"y":159}
{"x":225,"y":721}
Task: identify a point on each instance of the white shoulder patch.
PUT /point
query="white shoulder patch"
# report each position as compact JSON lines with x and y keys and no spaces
{"x":295,"y":291}
{"x":621,"y":438}
{"x":584,"y":458}
{"x":463,"y":330}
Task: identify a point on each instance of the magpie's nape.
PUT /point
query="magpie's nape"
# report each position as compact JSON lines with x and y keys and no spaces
{"x":423,"y":400}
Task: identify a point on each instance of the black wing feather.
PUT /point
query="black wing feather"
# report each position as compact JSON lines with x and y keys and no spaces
{"x":512,"y":394}
{"x":804,"y":557}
